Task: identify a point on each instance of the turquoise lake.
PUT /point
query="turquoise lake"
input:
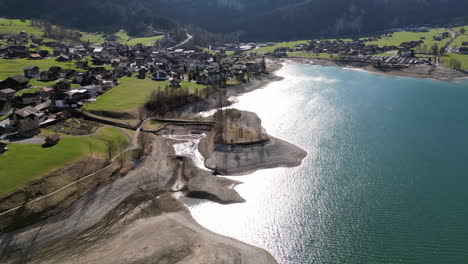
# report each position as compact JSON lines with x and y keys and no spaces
{"x":385,"y":179}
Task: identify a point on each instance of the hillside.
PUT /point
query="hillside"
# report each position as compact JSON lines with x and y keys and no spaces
{"x":89,"y":15}
{"x":300,"y":19}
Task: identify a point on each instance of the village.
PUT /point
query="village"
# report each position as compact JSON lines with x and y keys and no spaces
{"x":401,"y":48}
{"x":92,"y":70}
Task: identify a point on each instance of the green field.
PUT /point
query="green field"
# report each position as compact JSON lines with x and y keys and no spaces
{"x":461,"y":57}
{"x":25,"y":162}
{"x":92,"y":37}
{"x":10,"y":67}
{"x":124,"y":38}
{"x":149,"y":41}
{"x":462,"y":38}
{"x":400,"y":37}
{"x":133,"y":92}
{"x":291,"y":44}
{"x":15,"y":26}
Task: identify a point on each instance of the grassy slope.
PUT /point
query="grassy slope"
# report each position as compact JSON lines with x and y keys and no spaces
{"x":25,"y":162}
{"x":13,"y":67}
{"x":131,"y":93}
{"x":15,"y":26}
{"x":461,"y":57}
{"x":400,"y":37}
{"x":149,"y":41}
{"x":291,"y":44}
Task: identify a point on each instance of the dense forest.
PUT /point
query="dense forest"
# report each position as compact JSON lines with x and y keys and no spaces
{"x":302,"y":19}
{"x":90,"y":15}
{"x":247,"y":19}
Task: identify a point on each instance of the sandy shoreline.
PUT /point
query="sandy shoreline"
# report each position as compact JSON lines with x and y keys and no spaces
{"x":440,"y":72}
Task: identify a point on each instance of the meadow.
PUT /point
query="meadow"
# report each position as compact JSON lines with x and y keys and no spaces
{"x":133,"y":92}
{"x":25,"y":162}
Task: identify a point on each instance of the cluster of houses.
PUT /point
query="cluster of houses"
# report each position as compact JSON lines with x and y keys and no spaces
{"x":90,"y":76}
{"x":395,"y":61}
{"x":23,"y":45}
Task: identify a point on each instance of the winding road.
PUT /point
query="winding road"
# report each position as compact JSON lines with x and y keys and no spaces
{"x":189,"y":37}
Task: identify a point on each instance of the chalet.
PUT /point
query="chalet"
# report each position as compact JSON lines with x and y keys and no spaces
{"x":5,"y":108}
{"x":57,"y":51}
{"x":63,"y":58}
{"x":160,"y":76}
{"x":3,"y":146}
{"x":28,"y":112}
{"x":70,"y":99}
{"x":463,"y":50}
{"x":47,"y":76}
{"x":17,"y":82}
{"x":93,"y":90}
{"x":63,"y":85}
{"x":140,"y":61}
{"x":5,"y":126}
{"x":79,"y":77}
{"x":31,"y":72}
{"x":35,"y":56}
{"x":18,"y":52}
{"x":66,"y":73}
{"x":45,"y":92}
{"x":44,"y":53}
{"x":7,"y":94}
{"x":175,"y":83}
{"x":98,"y":50}
{"x":55,"y":69}
{"x":29,"y":99}
{"x":52,"y":140}
{"x":142,"y":73}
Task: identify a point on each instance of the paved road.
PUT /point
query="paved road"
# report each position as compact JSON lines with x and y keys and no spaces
{"x":189,"y":37}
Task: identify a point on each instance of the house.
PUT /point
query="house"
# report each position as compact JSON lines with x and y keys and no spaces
{"x":63,"y":58}
{"x":93,"y":90}
{"x":44,"y":53}
{"x":142,"y":73}
{"x":5,"y":108}
{"x":140,"y":61}
{"x":28,"y":112}
{"x":69,"y":99}
{"x":52,"y":140}
{"x":160,"y":76}
{"x":57,"y":51}
{"x":7,"y":94}
{"x":98,"y":50}
{"x":29,"y":99}
{"x":17,"y":82}
{"x":463,"y":50}
{"x":31,"y":72}
{"x":47,"y":76}
{"x":175,"y":83}
{"x":63,"y":85}
{"x":3,"y":146}
{"x":45,"y":92}
{"x":35,"y":56}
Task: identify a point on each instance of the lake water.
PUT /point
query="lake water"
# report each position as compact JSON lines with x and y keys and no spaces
{"x":385,"y":179}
